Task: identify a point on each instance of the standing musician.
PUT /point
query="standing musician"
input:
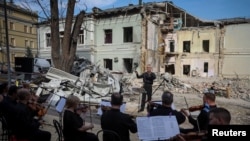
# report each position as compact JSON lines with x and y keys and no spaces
{"x":166,"y":109}
{"x":148,"y":79}
{"x":116,"y":121}
{"x":202,"y":120}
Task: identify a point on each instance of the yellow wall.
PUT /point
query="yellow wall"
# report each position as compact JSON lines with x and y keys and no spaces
{"x":196,"y":38}
{"x":19,"y":20}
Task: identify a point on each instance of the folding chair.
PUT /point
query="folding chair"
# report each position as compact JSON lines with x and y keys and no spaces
{"x":111,"y":134}
{"x":59,"y":130}
{"x":5,"y":129}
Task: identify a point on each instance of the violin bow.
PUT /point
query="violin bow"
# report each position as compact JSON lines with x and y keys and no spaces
{"x":187,"y":105}
{"x":90,"y":113}
{"x":198,"y":126}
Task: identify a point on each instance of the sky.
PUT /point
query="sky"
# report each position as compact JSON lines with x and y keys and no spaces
{"x":203,"y":9}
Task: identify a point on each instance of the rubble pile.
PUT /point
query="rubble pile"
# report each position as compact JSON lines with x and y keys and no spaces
{"x":238,"y":88}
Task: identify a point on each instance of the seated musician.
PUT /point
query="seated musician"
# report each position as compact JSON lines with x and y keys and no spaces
{"x":74,"y":127}
{"x":4,"y":89}
{"x":165,"y":109}
{"x":8,"y":106}
{"x":116,"y":121}
{"x":26,"y":126}
{"x":202,"y":120}
{"x":217,"y":116}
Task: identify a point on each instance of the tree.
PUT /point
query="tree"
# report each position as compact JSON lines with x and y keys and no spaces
{"x":28,"y":53}
{"x":62,"y":54}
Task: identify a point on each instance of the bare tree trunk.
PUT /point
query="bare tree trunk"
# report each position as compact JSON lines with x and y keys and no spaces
{"x":55,"y":39}
{"x":63,"y":56}
{"x":66,"y":43}
{"x":73,"y":41}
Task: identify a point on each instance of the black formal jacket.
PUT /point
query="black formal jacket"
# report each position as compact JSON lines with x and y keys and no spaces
{"x":26,"y":125}
{"x":147,"y":79}
{"x":202,"y":119}
{"x":167,"y":111}
{"x":118,"y":122}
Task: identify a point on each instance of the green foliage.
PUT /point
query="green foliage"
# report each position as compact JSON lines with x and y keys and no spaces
{"x":29,"y":52}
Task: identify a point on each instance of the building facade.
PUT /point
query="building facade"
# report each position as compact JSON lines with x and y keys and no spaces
{"x":235,"y":53}
{"x":193,"y":52}
{"x":21,"y":31}
{"x":123,"y":38}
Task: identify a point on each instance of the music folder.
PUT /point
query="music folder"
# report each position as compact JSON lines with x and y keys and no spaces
{"x":157,"y":127}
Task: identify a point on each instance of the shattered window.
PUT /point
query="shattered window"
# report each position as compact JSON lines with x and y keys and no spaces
{"x":186,"y":46}
{"x":48,"y":40}
{"x":205,"y":45}
{"x":108,"y":36}
{"x":80,"y":37}
{"x":128,"y":64}
{"x":127,"y":34}
{"x":186,"y":69}
{"x":171,"y":45}
{"x":108,"y":64}
{"x":205,"y":66}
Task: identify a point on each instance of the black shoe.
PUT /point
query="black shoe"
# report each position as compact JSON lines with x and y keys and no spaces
{"x":140,"y":110}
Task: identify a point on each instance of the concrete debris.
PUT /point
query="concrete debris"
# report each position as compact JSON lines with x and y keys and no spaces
{"x":229,"y":88}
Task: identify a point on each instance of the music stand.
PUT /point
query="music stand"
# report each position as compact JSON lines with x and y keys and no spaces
{"x":160,"y":85}
{"x":139,"y":90}
{"x":59,"y":108}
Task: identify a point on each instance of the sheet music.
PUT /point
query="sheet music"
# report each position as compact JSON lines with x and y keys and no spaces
{"x":157,"y":127}
{"x":60,"y":105}
{"x":107,"y":103}
{"x":38,"y":91}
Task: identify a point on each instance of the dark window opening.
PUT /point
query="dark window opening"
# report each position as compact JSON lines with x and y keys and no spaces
{"x":80,"y":39}
{"x":127,"y":34}
{"x":205,"y":45}
{"x":186,"y":46}
{"x":128,"y":64}
{"x":186,"y":69}
{"x":170,"y":69}
{"x":108,"y":64}
{"x":108,"y":36}
{"x":171,"y":44}
{"x":48,"y":39}
{"x":205,"y":66}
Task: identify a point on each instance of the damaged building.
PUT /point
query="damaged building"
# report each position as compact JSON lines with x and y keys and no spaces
{"x":157,"y":33}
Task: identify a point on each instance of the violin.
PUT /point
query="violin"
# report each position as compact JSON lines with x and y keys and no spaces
{"x":152,"y":105}
{"x":39,"y":109}
{"x":195,"y":108}
{"x":107,"y":108}
{"x":195,"y":136}
{"x":191,"y":136}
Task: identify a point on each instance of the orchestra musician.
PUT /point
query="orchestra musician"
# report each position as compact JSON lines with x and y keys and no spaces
{"x":166,"y":109}
{"x":116,"y":121}
{"x":8,"y":106}
{"x":202,"y":120}
{"x":217,"y":116}
{"x":74,"y":126}
{"x":26,"y":126}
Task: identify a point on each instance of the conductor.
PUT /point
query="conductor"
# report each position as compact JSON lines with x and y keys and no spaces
{"x":148,"y":79}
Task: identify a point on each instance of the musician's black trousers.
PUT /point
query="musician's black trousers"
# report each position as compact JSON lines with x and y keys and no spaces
{"x":148,"y":89}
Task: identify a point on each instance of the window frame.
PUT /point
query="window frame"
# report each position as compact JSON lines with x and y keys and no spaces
{"x":108,"y":32}
{"x":126,"y":31}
